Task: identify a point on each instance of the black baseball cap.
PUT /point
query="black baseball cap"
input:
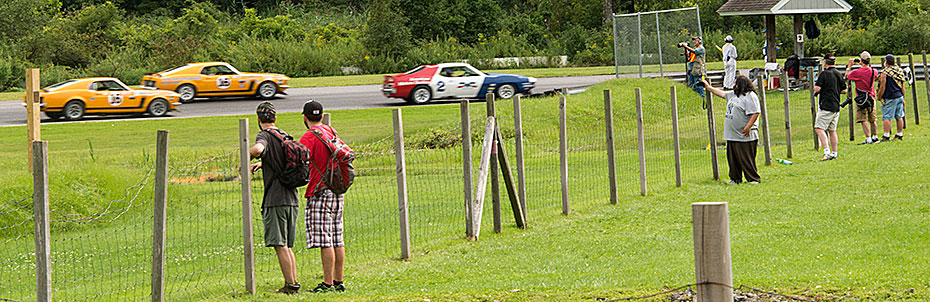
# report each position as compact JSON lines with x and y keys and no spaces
{"x":830,"y":59}
{"x":312,"y":108}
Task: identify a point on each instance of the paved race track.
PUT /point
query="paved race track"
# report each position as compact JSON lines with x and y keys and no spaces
{"x":12,"y":113}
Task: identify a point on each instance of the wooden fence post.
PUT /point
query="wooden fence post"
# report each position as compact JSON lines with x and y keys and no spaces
{"x":852,"y":110}
{"x":675,"y":136}
{"x":33,"y":122}
{"x":161,"y":202}
{"x":910,"y":58}
{"x":810,"y":83}
{"x":483,"y":170}
{"x":641,"y":140}
{"x":563,"y":154}
{"x":518,"y":149}
{"x":926,"y":77}
{"x":611,"y":160}
{"x":712,"y":129}
{"x":495,"y":172}
{"x":39,"y":163}
{"x":403,"y":216}
{"x":784,"y":75}
{"x":326,"y":118}
{"x":764,"y":116}
{"x":245,"y":176}
{"x":466,"y":166}
{"x":712,"y":263}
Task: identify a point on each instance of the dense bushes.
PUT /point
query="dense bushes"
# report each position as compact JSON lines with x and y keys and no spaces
{"x":129,"y":38}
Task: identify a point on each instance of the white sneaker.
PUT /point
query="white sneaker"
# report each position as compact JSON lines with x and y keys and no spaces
{"x":732,"y":183}
{"x":754,"y":182}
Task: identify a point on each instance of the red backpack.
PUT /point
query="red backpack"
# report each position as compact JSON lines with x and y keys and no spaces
{"x":339,"y":172}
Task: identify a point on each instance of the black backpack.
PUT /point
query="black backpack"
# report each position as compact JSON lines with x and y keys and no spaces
{"x":296,"y":161}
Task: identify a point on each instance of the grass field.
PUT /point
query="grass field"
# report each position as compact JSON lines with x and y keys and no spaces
{"x":853,"y":226}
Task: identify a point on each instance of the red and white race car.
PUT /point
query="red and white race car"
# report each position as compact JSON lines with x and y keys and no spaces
{"x":453,"y":80}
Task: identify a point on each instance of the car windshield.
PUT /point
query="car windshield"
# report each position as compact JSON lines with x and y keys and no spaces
{"x":108,"y":85}
{"x":218,"y":70}
{"x":59,"y":85}
{"x":458,"y":71}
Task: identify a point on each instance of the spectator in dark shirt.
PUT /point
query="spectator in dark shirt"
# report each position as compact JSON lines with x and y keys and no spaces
{"x":830,"y":84}
{"x":891,"y":93}
{"x":279,"y":203}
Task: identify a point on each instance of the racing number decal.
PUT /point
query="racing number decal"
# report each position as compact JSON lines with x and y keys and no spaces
{"x":223,"y":82}
{"x":442,"y":86}
{"x":115,"y":99}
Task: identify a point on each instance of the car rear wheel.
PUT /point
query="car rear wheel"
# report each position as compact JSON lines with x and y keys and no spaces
{"x":267,"y":90}
{"x":187,"y":92}
{"x":421,"y":95}
{"x":158,"y":107}
{"x":74,"y":110}
{"x":506,"y":91}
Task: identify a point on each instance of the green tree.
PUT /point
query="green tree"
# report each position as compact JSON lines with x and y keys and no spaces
{"x":385,"y":32}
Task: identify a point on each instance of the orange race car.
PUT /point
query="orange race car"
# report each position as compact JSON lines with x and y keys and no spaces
{"x":211,"y":79}
{"x":72,"y":99}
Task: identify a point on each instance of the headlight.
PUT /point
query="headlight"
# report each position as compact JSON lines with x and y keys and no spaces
{"x":532,"y":80}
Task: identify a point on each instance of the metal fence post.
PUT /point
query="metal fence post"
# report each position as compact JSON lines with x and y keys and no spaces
{"x":495,"y":172}
{"x":563,"y":154}
{"x":764,"y":116}
{"x":641,"y":140}
{"x":518,"y":150}
{"x":810,"y":83}
{"x":245,"y":176}
{"x":40,"y":218}
{"x":675,"y":136}
{"x":926,"y":77}
{"x":466,"y":166}
{"x":161,"y":202}
{"x":617,"y":49}
{"x":910,"y":58}
{"x":659,"y":39}
{"x":403,"y":216}
{"x":611,"y":160}
{"x":712,"y":263}
{"x":639,"y":30}
{"x":712,"y":131}
{"x":784,"y":76}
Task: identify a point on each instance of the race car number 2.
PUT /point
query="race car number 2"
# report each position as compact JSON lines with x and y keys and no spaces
{"x":442,"y":86}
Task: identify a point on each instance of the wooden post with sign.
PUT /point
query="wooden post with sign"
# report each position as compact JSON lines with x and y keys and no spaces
{"x":33,"y":123}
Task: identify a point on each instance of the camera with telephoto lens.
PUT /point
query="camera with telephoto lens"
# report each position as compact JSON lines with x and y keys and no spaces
{"x":856,"y":61}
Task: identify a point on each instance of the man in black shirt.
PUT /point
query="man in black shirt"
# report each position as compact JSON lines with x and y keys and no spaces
{"x":279,"y":203}
{"x":830,"y":84}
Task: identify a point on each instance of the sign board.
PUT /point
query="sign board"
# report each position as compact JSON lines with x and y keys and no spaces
{"x":800,"y":38}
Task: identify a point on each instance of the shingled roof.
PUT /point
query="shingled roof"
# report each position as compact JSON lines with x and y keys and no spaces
{"x":782,"y":7}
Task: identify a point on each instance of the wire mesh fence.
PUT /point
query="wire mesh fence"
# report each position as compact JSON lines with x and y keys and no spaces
{"x":17,"y":266}
{"x":651,"y":38}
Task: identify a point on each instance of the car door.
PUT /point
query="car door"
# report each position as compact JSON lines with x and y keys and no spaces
{"x":442,"y":81}
{"x":109,"y":94}
{"x":468,"y":83}
{"x":215,"y":79}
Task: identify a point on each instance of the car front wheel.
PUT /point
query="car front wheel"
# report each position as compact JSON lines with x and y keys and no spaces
{"x":158,"y":107}
{"x":506,"y":91}
{"x":267,"y":90}
{"x":187,"y":92}
{"x":74,"y":110}
{"x":421,"y":95}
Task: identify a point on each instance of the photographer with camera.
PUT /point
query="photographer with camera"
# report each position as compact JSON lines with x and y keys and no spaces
{"x":864,"y":78}
{"x":696,"y":66}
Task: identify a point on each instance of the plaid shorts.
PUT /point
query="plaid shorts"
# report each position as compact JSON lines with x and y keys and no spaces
{"x":324,"y":220}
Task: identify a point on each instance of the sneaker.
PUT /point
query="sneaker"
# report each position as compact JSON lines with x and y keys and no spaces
{"x":898,"y":137}
{"x":288,"y":289}
{"x":885,"y":139}
{"x":732,"y":183}
{"x":339,"y":286}
{"x":323,"y":288}
{"x":753,"y":182}
{"x":827,"y":157}
{"x":866,"y":142}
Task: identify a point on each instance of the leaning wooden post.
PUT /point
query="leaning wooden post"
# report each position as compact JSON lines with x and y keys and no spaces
{"x":784,"y":75}
{"x":403,"y":216}
{"x":245,"y":176}
{"x":712,"y":262}
{"x":641,"y":140}
{"x":712,"y":131}
{"x":764,"y":116}
{"x":326,"y":118}
{"x":483,"y":170}
{"x":518,"y":149}
{"x":810,"y":82}
{"x":495,"y":172}
{"x":563,"y":154}
{"x":39,"y":163}
{"x":161,"y":202}
{"x":611,"y":160}
{"x":33,"y":123}
{"x":910,"y":58}
{"x":675,"y":136}
{"x":466,"y":166}
{"x":926,"y":77}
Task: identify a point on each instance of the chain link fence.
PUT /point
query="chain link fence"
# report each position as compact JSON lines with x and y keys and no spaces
{"x":651,"y":38}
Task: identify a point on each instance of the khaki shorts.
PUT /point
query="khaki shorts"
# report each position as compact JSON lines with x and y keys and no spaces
{"x":865,"y":115}
{"x":280,"y":225}
{"x":827,"y":120}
